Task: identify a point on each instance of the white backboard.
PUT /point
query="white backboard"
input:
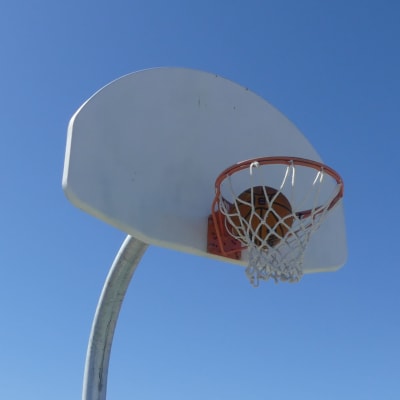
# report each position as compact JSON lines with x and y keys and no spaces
{"x":143,"y":154}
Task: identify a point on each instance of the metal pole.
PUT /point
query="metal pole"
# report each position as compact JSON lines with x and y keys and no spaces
{"x":105,"y":319}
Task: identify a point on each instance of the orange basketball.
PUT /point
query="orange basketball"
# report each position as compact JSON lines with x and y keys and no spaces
{"x":263,"y":214}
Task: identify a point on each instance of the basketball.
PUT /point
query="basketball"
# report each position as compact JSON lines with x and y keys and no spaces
{"x":261,"y":213}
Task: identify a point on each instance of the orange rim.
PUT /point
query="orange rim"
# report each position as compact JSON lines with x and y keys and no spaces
{"x":218,"y":218}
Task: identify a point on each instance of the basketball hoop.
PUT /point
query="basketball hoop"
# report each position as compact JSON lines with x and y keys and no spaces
{"x":266,"y":210}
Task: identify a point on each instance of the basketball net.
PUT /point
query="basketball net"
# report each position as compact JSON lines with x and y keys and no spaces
{"x":312,"y":189}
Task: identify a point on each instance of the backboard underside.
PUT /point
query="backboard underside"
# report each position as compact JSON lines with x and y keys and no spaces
{"x":143,"y":154}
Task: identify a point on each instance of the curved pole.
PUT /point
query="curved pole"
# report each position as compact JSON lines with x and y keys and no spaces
{"x":105,"y":319}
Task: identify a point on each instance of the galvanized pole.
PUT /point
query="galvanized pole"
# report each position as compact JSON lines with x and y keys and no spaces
{"x":105,"y":320}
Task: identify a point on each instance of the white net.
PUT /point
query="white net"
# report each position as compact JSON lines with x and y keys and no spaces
{"x":274,"y":223}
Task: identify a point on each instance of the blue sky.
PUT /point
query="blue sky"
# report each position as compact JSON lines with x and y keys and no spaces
{"x":191,"y":327}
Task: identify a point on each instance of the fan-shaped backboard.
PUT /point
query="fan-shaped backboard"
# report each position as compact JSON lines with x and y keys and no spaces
{"x":143,"y":154}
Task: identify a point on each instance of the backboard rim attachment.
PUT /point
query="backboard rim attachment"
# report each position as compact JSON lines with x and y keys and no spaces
{"x":230,"y":234}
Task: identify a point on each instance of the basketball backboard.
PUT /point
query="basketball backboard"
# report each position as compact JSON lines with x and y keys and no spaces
{"x":143,"y":154}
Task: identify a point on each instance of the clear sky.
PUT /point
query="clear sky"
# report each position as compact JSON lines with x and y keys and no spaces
{"x":192,"y":328}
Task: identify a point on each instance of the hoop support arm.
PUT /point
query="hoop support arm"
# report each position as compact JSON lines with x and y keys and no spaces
{"x":106,"y":316}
